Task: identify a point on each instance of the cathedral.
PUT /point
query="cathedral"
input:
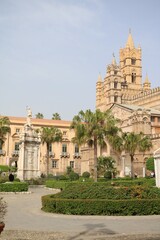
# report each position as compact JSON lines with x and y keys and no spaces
{"x":128,"y":97}
{"x":131,"y":100}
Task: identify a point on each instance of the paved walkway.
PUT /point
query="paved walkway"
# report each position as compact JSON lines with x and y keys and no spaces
{"x":26,"y":221}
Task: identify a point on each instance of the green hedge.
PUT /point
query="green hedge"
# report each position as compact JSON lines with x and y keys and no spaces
{"x":129,"y":182}
{"x":4,"y":168}
{"x":13,"y":187}
{"x":101,"y":206}
{"x":57,"y":184}
{"x":94,"y":191}
{"x":116,"y":183}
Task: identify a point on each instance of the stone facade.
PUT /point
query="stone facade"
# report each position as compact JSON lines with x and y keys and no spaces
{"x":62,"y":154}
{"x":123,"y":82}
{"x":133,"y":102}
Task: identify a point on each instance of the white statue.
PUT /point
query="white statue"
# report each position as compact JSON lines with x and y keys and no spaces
{"x":29,"y":116}
{"x":29,"y":112}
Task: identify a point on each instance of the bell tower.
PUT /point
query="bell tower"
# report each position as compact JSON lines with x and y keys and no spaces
{"x":130,"y":65}
{"x":112,"y":84}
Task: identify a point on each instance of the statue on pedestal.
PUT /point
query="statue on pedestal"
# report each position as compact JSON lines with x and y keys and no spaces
{"x":29,"y":154}
{"x":29,"y":116}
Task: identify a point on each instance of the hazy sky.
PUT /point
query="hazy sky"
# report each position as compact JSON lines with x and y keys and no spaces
{"x":51,"y":51}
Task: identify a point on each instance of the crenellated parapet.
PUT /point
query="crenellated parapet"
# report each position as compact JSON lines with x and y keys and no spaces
{"x":155,"y":136}
{"x":148,"y":93}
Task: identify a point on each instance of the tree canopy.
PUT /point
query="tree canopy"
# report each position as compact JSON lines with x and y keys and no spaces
{"x":4,"y":128}
{"x":106,"y":164}
{"x":39,"y":115}
{"x":50,"y":135}
{"x":130,"y":143}
{"x":92,"y":128}
{"x":56,"y":116}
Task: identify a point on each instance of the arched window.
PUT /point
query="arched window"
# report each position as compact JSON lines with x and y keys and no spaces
{"x":115,"y":84}
{"x":115,"y":97}
{"x":133,"y":77}
{"x":133,"y":61}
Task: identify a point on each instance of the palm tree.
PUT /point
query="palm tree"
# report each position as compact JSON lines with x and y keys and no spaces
{"x":39,"y":116}
{"x":106,"y":164}
{"x":49,"y":136}
{"x":4,"y":128}
{"x":92,"y":128}
{"x":56,"y":116}
{"x":130,"y":143}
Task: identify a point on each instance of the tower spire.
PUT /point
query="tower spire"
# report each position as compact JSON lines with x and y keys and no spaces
{"x":146,"y":84}
{"x":130,"y":43}
{"x":99,"y":77}
{"x":114,"y":60}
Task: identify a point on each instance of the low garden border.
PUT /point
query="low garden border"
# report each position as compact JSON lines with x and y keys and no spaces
{"x":13,"y":187}
{"x":127,"y":207}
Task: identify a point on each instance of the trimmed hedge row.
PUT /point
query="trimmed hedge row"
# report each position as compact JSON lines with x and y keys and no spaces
{"x":13,"y":187}
{"x":130,"y":182}
{"x":94,"y":191}
{"x":101,"y":206}
{"x":57,"y":184}
{"x":117,"y":183}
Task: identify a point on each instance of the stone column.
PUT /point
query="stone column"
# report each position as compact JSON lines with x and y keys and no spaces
{"x":157,"y":167}
{"x":122,"y":173}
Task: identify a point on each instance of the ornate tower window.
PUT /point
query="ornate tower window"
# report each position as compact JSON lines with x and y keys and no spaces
{"x":115,"y":84}
{"x":133,"y":77}
{"x":116,"y":97}
{"x":133,"y":61}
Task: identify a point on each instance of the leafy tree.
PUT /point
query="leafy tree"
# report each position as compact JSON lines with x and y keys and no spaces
{"x":135,"y":142}
{"x":130,"y":143}
{"x":150,"y":164}
{"x":92,"y":128}
{"x":49,"y":136}
{"x":4,"y":128}
{"x":39,"y":116}
{"x":56,"y":116}
{"x":106,"y":164}
{"x":108,"y":175}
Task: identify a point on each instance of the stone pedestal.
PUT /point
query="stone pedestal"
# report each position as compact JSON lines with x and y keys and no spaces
{"x":157,"y":167}
{"x":29,"y":153}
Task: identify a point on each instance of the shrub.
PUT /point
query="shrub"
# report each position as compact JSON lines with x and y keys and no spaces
{"x":73,"y":176}
{"x":101,"y":206}
{"x":86,"y":175}
{"x":56,"y":184}
{"x":69,"y":170}
{"x":99,"y":199}
{"x":36,"y":181}
{"x":50,"y":175}
{"x":3,"y":179}
{"x":4,"y":168}
{"x":63,"y":177}
{"x":108,"y":175}
{"x":3,"y":209}
{"x":150,"y":164}
{"x":100,"y":191}
{"x":13,"y":187}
